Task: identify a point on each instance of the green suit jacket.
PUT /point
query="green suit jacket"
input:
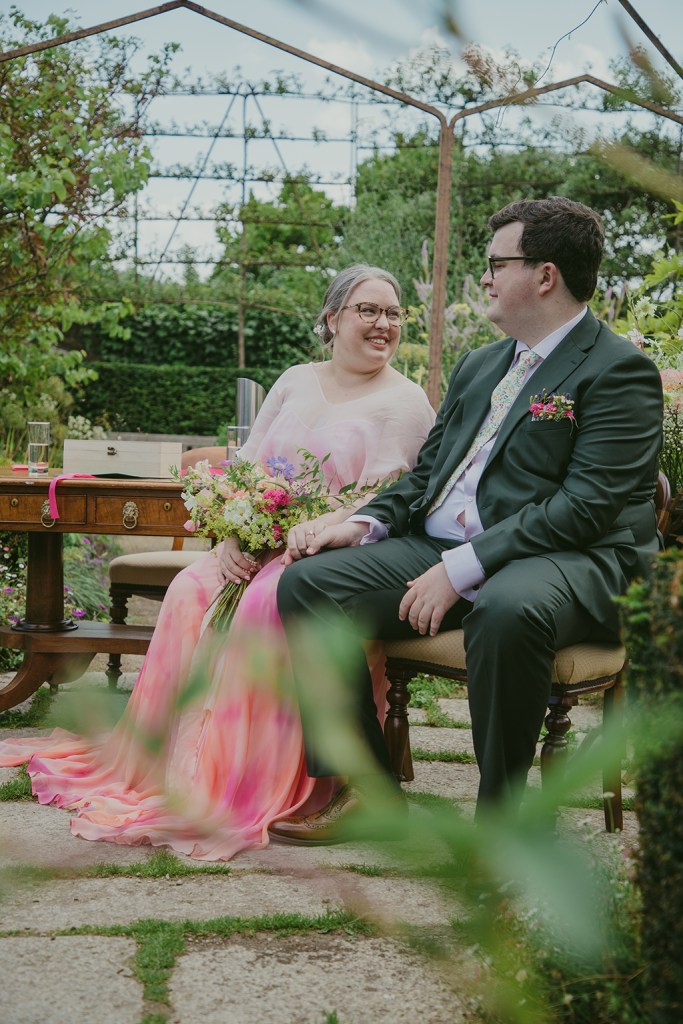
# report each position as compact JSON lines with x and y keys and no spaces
{"x":581,"y":495}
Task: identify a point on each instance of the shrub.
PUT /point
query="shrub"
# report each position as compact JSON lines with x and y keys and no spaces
{"x":201,"y":335}
{"x":85,"y":588}
{"x":654,"y":635}
{"x":166,"y":399}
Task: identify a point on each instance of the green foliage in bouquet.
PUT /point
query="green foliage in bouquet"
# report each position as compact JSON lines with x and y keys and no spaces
{"x":654,"y":636}
{"x":258,"y":504}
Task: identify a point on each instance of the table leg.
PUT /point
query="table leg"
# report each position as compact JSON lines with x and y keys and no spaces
{"x":37,"y":669}
{"x":45,"y":586}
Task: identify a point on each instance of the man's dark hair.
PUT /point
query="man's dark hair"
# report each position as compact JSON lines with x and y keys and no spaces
{"x":559,"y":231}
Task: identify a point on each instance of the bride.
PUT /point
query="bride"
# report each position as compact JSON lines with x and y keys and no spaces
{"x":209,"y":750}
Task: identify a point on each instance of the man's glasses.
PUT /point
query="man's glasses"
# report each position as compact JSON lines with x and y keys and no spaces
{"x":506,"y":259}
{"x":370,"y":312}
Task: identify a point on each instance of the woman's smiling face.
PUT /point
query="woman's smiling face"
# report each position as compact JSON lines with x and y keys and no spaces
{"x":368,"y":344}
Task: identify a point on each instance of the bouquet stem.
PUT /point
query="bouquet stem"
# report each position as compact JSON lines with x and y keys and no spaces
{"x":225,"y":605}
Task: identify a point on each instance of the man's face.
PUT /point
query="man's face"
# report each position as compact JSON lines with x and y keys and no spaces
{"x":513,"y":287}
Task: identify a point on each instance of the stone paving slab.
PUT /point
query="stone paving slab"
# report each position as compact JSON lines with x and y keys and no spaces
{"x":303,"y":978}
{"x":453,"y":781}
{"x":457,"y":741}
{"x":584,"y":716}
{"x":74,"y":903}
{"x":37,"y":835}
{"x":75,"y":979}
{"x":416,"y":716}
{"x":456,"y":708}
{"x":108,"y":901}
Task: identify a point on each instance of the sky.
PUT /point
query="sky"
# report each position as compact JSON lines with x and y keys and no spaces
{"x":365,"y":37}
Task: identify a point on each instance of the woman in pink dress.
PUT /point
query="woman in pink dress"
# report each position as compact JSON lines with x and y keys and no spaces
{"x":209,"y":750}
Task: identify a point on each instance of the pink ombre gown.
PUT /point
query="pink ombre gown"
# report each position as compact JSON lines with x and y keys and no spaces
{"x":205,"y":769}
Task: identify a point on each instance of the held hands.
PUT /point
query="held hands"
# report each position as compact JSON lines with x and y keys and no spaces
{"x":310,"y":538}
{"x":427,"y":600}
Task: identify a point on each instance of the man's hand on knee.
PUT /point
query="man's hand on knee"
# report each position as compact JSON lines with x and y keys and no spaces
{"x":428,"y":599}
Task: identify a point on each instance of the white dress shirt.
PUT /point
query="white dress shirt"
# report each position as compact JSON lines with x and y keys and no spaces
{"x":458,"y":517}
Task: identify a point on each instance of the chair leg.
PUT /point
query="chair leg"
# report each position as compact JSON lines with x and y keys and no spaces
{"x":118,"y":610}
{"x":612,"y":713}
{"x":557,"y":723}
{"x":396,"y":725}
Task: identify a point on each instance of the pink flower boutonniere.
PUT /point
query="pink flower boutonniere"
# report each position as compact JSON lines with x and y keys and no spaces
{"x":552,"y":407}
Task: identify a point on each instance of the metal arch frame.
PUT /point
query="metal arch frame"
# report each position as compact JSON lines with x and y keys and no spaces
{"x":446,"y":134}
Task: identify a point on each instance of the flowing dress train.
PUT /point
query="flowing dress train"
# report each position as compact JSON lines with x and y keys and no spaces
{"x":209,"y":749}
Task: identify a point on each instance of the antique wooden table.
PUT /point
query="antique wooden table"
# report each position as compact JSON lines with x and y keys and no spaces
{"x":56,"y":649}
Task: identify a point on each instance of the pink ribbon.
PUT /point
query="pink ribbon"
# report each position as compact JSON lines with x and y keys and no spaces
{"x":51,"y":494}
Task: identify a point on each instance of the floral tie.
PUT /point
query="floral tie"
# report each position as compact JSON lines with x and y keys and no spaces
{"x":504,"y":394}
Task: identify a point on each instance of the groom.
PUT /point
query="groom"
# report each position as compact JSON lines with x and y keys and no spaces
{"x":523,"y":516}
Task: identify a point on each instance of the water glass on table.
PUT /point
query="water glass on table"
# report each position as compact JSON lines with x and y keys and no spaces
{"x":38,"y":448}
{"x":237,"y":435}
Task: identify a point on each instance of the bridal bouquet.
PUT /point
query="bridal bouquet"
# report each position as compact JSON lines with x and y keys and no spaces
{"x":258,"y":504}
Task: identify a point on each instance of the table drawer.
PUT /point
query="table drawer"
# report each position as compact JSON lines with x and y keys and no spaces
{"x":32,"y":509}
{"x":140,"y":515}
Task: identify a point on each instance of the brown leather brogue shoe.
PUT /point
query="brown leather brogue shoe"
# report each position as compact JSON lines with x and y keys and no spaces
{"x":327,"y":826}
{"x":324,"y":828}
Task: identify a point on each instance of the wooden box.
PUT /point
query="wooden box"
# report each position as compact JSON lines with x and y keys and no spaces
{"x":146,"y":459}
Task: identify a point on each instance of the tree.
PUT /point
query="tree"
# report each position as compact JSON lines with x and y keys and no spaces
{"x":496,"y":162}
{"x":276,"y":258}
{"x":70,"y":155}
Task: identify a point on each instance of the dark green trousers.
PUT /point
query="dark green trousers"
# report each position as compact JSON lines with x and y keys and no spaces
{"x":522,"y":615}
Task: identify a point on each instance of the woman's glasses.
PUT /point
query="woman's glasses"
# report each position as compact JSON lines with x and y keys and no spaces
{"x":370,"y":312}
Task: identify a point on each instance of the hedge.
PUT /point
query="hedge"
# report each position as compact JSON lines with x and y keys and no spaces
{"x":203,"y":336}
{"x":653,"y":617}
{"x":166,"y":399}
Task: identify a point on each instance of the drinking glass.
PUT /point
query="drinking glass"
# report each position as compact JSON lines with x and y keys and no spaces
{"x":237,"y":435}
{"x":38,"y":448}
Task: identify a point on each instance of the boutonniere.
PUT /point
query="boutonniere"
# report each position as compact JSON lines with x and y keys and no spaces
{"x":552,"y":407}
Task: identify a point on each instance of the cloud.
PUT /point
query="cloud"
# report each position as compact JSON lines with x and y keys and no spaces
{"x":351,"y":54}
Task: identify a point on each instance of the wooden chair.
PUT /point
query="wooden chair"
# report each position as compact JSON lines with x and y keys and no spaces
{"x":149,"y":573}
{"x":577,"y":670}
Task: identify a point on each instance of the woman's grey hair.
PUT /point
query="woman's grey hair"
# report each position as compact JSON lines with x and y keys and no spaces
{"x":339,"y":291}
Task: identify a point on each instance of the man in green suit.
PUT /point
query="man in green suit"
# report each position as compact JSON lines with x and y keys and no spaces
{"x":531,"y":505}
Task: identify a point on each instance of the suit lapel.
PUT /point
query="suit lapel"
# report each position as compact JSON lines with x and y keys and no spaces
{"x":475,"y":401}
{"x":550,"y":375}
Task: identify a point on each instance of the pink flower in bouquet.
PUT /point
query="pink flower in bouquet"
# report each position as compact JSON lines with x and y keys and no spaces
{"x":189,"y":526}
{"x":274,"y":499}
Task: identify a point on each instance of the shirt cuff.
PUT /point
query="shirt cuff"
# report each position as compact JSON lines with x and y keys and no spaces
{"x":376,"y":530}
{"x":463,"y":569}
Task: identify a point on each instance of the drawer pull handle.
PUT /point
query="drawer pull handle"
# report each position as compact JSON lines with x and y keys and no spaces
{"x":13,"y":502}
{"x":111,"y":450}
{"x":130,"y":515}
{"x":45,"y":517}
{"x":167,"y":506}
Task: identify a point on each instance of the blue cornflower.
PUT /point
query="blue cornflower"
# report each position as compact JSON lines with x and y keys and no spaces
{"x":279,"y":464}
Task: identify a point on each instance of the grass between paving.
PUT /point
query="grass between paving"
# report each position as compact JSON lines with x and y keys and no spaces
{"x":161,"y":864}
{"x":18,"y":788}
{"x":160,"y":943}
{"x":425,"y":692}
{"x":33,"y":716}
{"x":447,"y":756}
